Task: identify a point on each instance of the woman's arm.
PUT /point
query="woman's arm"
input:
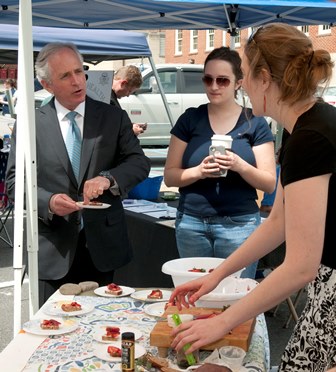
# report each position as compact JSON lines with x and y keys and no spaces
{"x":175,"y":175}
{"x":304,"y":246}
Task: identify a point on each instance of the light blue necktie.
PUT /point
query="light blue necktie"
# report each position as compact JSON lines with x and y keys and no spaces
{"x":74,"y":143}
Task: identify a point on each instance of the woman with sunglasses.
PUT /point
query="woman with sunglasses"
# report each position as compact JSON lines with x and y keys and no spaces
{"x":281,"y":75}
{"x":216,"y":214}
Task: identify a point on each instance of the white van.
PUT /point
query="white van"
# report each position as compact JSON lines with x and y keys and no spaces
{"x":183,"y":88}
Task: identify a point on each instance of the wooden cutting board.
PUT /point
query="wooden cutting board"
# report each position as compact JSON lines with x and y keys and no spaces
{"x":239,"y":336}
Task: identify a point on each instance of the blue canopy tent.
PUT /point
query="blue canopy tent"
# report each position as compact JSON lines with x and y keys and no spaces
{"x":95,"y":45}
{"x":166,"y":14}
{"x":127,"y":15}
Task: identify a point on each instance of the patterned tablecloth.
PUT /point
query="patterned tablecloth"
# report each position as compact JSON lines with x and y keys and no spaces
{"x":74,"y":352}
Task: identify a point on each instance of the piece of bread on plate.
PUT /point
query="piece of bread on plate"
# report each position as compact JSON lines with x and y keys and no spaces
{"x":113,"y":289}
{"x":73,"y":306}
{"x":114,"y":351}
{"x":112,"y":334}
{"x":50,"y":324}
{"x":156,"y":294}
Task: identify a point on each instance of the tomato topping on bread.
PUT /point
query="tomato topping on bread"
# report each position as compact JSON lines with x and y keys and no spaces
{"x":113,"y":289}
{"x":50,"y":324}
{"x":112,"y":333}
{"x":73,"y":306}
{"x":156,"y":294}
{"x":95,"y":203}
{"x":114,"y":351}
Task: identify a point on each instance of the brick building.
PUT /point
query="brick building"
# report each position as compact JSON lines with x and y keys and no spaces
{"x":192,"y":46}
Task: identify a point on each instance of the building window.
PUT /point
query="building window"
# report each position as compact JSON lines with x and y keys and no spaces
{"x":324,"y":29}
{"x":237,"y":39}
{"x":178,"y":42}
{"x":210,"y":39}
{"x":193,"y":41}
{"x":304,"y":29}
{"x":162,"y":45}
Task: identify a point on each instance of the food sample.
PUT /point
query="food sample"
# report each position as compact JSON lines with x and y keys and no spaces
{"x":70,"y":289}
{"x":50,"y":324}
{"x":168,"y":304}
{"x":201,"y":270}
{"x":113,"y":289}
{"x":156,"y":294}
{"x":112,"y":334}
{"x":196,"y":270}
{"x":96,"y":203}
{"x":114,"y":351}
{"x":73,"y":306}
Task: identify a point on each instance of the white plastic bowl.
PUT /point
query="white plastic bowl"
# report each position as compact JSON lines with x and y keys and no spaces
{"x":230,"y":290}
{"x":179,"y":268}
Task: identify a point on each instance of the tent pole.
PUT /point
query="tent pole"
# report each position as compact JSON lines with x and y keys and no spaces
{"x":25,"y":130}
{"x":164,"y":99}
{"x":30,"y":159}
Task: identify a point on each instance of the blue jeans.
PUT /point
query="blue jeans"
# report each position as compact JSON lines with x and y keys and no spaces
{"x":215,"y":236}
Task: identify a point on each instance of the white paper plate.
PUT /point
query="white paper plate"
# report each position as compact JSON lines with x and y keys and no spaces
{"x":100,"y":330}
{"x":142,"y":295}
{"x":88,"y":206}
{"x":100,"y":350}
{"x":156,"y":309}
{"x":66,"y":326}
{"x":55,"y":308}
{"x":126,"y":291}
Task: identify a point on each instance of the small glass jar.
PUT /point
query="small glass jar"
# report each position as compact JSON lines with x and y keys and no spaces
{"x":181,"y":359}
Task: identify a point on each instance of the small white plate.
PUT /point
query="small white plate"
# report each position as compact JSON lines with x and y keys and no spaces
{"x":143,"y":295}
{"x":66,"y":326}
{"x":100,"y":350}
{"x":156,"y":309}
{"x":126,"y":291}
{"x":100,"y":330}
{"x":88,"y":206}
{"x":55,"y":308}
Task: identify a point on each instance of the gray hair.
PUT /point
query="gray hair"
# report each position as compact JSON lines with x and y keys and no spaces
{"x":41,"y":64}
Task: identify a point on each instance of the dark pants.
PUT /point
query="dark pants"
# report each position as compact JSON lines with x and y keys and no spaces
{"x":82,"y":269}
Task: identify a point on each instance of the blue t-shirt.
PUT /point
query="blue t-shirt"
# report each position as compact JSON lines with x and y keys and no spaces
{"x":223,"y":196}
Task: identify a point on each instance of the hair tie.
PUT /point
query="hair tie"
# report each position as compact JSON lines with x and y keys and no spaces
{"x":310,"y":59}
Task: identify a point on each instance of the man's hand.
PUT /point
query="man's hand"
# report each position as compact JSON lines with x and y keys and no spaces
{"x":95,"y":187}
{"x":139,"y":128}
{"x":62,"y":204}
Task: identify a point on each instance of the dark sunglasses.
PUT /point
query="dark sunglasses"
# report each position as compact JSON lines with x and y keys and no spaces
{"x":253,"y":34}
{"x":222,"y":82}
{"x":252,"y":39}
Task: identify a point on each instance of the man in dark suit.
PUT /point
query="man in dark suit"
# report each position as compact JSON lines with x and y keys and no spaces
{"x":126,"y":81}
{"x":75,"y":243}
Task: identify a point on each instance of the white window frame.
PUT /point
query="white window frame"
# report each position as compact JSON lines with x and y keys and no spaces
{"x":237,"y":39}
{"x":210,"y":39}
{"x":302,"y":29}
{"x":224,"y":38}
{"x":324,"y":29}
{"x":178,"y":42}
{"x":193,"y":37}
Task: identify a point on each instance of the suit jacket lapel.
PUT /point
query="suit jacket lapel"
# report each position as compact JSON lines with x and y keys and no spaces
{"x":51,"y":129}
{"x":91,"y":129}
